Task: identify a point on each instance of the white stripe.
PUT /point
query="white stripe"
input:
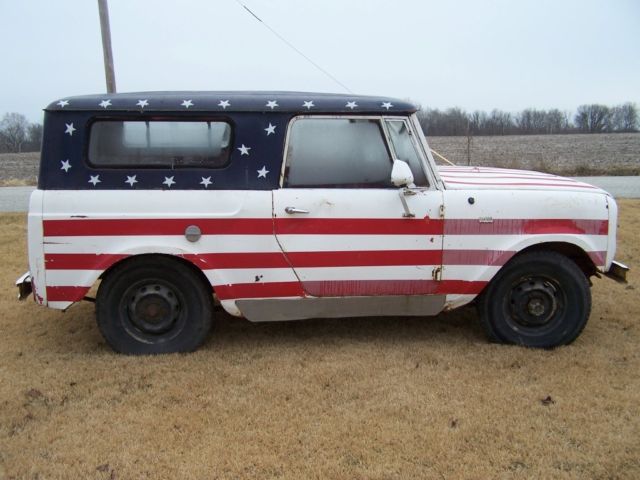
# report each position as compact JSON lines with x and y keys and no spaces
{"x":350,"y":243}
{"x":248,"y":275}
{"x":471,"y":273}
{"x":161,"y":204}
{"x":422,"y":272}
{"x":510,"y":242}
{"x":161,"y":244}
{"x":75,"y":278}
{"x":59,"y":305}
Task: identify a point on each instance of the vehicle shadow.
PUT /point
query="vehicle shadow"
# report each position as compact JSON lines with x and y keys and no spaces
{"x":457,"y":326}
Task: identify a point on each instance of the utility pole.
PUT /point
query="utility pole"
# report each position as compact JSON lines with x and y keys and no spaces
{"x":106,"y":46}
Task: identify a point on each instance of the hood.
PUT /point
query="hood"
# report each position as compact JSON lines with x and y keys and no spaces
{"x":489,"y":178}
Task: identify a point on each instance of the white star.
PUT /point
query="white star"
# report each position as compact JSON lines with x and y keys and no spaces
{"x":206,"y":181}
{"x":168,"y":181}
{"x":262,"y":172}
{"x":65,"y":165}
{"x":270,"y":129}
{"x":187,"y":103}
{"x":386,"y":105}
{"x":308,"y":104}
{"x":95,"y":179}
{"x":63,"y":103}
{"x":272,"y":104}
{"x":105,"y":103}
{"x":70,"y":129}
{"x":351,"y":105}
{"x":131,"y":180}
{"x":224,"y":104}
{"x":244,"y":150}
{"x":142,"y":103}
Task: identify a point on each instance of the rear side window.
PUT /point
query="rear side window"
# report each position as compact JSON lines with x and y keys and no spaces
{"x":337,"y":153}
{"x":159,"y":144}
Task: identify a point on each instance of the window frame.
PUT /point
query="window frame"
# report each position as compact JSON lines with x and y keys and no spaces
{"x":157,"y":118}
{"x":378,"y":118}
{"x":419,"y":149}
{"x":381,"y":118}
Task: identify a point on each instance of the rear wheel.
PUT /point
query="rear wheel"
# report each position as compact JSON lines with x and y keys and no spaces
{"x":539,"y":299}
{"x":154,"y":305}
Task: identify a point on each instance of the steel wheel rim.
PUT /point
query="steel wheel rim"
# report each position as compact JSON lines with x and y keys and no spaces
{"x":153,"y":310}
{"x":535,"y":304}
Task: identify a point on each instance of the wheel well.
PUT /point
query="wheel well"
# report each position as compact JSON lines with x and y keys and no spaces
{"x":148,"y":257}
{"x":573,"y":252}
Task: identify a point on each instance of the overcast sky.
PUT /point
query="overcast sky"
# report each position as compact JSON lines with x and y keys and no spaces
{"x":472,"y":54}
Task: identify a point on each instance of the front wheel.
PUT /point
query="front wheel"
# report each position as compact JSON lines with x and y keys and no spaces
{"x":152,"y":305}
{"x":539,"y":299}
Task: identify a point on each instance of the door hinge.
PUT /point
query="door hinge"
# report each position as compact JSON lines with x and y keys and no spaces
{"x":437,"y":274}
{"x":442,"y":211}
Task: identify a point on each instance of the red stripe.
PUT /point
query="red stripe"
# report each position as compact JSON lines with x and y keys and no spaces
{"x":355,"y":288}
{"x":342,"y":288}
{"x":210,"y":261}
{"x":523,"y":184}
{"x":497,"y":176}
{"x":213,"y":261}
{"x":323,"y":226}
{"x":476,"y":257}
{"x":66,"y":294}
{"x":259,"y":290}
{"x":358,"y":226}
{"x":80,"y":261}
{"x":161,"y":226}
{"x":503,"y":226}
{"x":365,"y":258}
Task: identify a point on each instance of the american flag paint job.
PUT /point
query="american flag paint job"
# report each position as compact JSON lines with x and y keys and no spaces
{"x":352,"y":242}
{"x":241,"y":250}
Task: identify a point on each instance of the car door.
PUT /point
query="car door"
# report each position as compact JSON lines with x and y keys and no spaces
{"x":343,"y":227}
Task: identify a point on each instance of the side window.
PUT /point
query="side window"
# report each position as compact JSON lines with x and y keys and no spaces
{"x":160,"y":144}
{"x":405,"y":150}
{"x":337,"y":153}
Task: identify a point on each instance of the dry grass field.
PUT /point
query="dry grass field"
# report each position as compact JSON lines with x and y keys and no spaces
{"x":572,"y":155}
{"x":19,"y":169}
{"x":373,"y":398}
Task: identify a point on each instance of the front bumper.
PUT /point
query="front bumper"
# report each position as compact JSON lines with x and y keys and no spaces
{"x":618,"y":272}
{"x":24,"y":286}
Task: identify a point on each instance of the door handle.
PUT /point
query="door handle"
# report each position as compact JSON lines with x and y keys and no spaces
{"x":292,"y":210}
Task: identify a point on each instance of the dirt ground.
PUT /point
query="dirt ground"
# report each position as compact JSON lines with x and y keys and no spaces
{"x":374,"y":398}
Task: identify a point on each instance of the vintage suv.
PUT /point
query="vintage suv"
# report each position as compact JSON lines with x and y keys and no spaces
{"x":286,"y":206}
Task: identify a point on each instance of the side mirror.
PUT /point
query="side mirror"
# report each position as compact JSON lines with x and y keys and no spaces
{"x":401,"y":175}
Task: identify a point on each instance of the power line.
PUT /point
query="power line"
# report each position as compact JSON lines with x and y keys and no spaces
{"x":294,"y":48}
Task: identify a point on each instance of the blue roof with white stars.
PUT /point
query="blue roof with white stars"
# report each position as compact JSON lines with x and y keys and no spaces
{"x":259,"y":122}
{"x":234,"y":101}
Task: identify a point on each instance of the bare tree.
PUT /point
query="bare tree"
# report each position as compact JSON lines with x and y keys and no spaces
{"x":13,"y":131}
{"x":35,"y":137}
{"x":624,"y":118}
{"x":593,"y":118}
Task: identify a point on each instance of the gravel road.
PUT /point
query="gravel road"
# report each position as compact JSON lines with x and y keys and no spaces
{"x":16,"y":199}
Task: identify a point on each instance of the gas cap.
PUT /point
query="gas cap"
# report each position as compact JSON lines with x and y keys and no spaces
{"x":193,"y":233}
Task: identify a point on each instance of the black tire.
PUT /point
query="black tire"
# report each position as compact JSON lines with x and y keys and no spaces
{"x":151,"y":305}
{"x":538,"y":299}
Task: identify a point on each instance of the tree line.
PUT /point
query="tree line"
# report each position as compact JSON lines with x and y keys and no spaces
{"x":592,"y":118}
{"x":18,"y":135}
